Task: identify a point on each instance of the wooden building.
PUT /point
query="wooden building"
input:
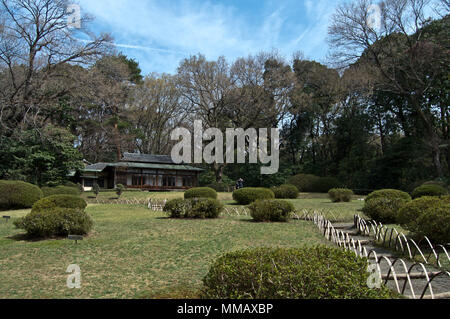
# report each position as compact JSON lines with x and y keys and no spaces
{"x":140,"y":171}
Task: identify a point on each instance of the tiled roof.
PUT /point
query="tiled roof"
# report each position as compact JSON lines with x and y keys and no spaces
{"x":99,"y":167}
{"x":158,"y":166}
{"x":147,"y":158}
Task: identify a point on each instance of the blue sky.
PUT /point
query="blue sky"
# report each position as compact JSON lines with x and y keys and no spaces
{"x":159,"y":34}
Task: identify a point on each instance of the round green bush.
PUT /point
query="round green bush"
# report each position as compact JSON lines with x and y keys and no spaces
{"x":438,"y":183}
{"x":434,"y":225}
{"x":303,"y":182}
{"x":196,"y":208}
{"x":340,"y":195}
{"x":286,"y":191}
{"x":60,"y":190}
{"x":245,"y":196}
{"x":62,"y":201}
{"x":200,"y":192}
{"x":384,"y":205}
{"x":324,"y":184}
{"x":219,"y":187}
{"x":389,"y":193}
{"x":70,"y":184}
{"x":429,"y":190}
{"x":383,"y":209}
{"x":55,"y":222}
{"x":18,"y":195}
{"x":290,"y":273}
{"x":271,"y":210}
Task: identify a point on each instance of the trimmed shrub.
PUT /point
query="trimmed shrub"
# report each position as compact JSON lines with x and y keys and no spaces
{"x":60,"y":190}
{"x":389,"y":193}
{"x":18,"y":194}
{"x":429,"y":190}
{"x":324,"y":184}
{"x":200,"y":192}
{"x":119,"y":190}
{"x":286,"y":191}
{"x":438,"y":183}
{"x":219,"y":187}
{"x":424,"y":217}
{"x":384,"y":205}
{"x":55,"y":222}
{"x":200,"y":208}
{"x":435,"y":224}
{"x":291,"y":273}
{"x":340,"y":195}
{"x":245,"y":196}
{"x":61,"y":201}
{"x":271,"y":210}
{"x":70,"y":184}
{"x":96,"y":189}
{"x":303,"y":182}
{"x":383,"y":209}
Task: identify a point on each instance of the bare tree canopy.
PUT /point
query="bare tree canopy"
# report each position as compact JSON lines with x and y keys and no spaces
{"x":36,"y":41}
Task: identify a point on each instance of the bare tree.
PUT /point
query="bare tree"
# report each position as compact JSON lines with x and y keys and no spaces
{"x":155,"y":110}
{"x":36,"y":40}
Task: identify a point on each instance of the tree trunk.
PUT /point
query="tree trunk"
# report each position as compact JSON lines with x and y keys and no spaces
{"x":433,"y":137}
{"x":117,"y":141}
{"x":218,"y":170}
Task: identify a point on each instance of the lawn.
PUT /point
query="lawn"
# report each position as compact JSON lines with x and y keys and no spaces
{"x":134,"y":253}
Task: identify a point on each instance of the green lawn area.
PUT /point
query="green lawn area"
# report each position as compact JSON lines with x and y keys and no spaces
{"x":133,"y":253}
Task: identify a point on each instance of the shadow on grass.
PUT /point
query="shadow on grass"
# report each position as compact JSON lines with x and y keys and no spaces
{"x":27,"y":238}
{"x":177,"y":293}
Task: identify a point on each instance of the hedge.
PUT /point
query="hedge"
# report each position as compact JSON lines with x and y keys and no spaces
{"x":384,"y":205}
{"x":62,"y":201}
{"x":427,"y":216}
{"x":290,"y":273}
{"x":18,"y":195}
{"x":200,"y":192}
{"x":271,"y":210}
{"x":324,"y":184}
{"x":60,"y":190}
{"x":389,"y":193}
{"x":55,"y":222}
{"x":340,"y":195}
{"x":286,"y":191}
{"x":429,"y":190}
{"x":303,"y":182}
{"x":245,"y":196}
{"x":197,"y":208}
{"x":220,"y":187}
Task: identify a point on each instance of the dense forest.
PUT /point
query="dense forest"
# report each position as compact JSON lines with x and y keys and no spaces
{"x":376,"y":116}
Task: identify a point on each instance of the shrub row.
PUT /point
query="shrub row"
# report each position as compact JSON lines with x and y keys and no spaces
{"x":61,"y":190}
{"x":314,"y":184}
{"x":271,"y":210}
{"x":286,"y":191}
{"x":290,"y":273}
{"x":341,"y":195}
{"x":200,"y":208}
{"x":245,"y":196}
{"x":200,"y":192}
{"x":18,"y":195}
{"x":425,"y":216}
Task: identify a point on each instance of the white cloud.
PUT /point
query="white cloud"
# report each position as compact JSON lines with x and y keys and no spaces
{"x":159,"y":34}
